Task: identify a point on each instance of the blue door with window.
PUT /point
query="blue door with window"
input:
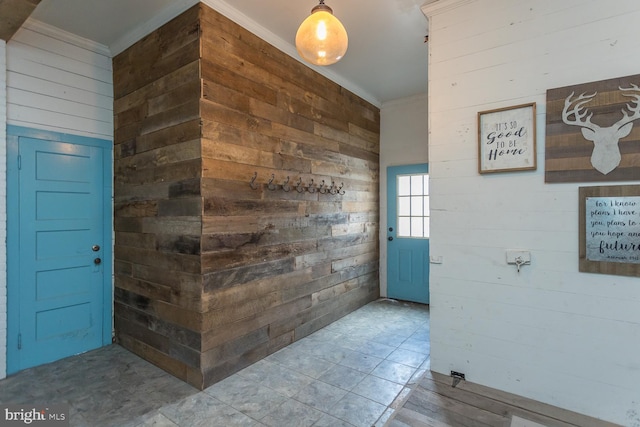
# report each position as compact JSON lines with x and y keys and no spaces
{"x":59,"y":240}
{"x":408,"y":233}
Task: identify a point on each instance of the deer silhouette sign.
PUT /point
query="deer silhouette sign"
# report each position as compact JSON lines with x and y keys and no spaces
{"x":606,"y":152}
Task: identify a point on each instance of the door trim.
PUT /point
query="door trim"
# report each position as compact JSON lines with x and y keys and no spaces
{"x":14,"y":133}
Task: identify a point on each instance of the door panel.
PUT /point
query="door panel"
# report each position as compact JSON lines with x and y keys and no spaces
{"x":57,"y":298}
{"x":407,"y":233}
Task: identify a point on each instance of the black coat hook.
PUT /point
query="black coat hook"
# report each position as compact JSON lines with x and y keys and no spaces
{"x":322,"y":188}
{"x":252,"y":184}
{"x":271,"y":186}
{"x":285,"y":186}
{"x":312,"y":187}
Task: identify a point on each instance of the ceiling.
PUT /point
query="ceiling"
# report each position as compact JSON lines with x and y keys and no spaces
{"x":386,"y":59}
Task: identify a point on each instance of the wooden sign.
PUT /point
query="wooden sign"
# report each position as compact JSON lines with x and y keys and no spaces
{"x":593,"y":131}
{"x":507,"y":139}
{"x":610,"y":230}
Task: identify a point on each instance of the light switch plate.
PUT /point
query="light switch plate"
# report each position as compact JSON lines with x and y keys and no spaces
{"x":435,"y":259}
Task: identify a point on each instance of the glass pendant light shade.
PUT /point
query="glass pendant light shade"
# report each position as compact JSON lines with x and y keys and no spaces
{"x":321,"y":38}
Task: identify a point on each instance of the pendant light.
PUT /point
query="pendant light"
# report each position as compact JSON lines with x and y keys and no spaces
{"x":321,"y":38}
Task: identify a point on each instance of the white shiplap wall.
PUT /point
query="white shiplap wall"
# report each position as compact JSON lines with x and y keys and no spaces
{"x":552,"y":333}
{"x":58,"y":82}
{"x":3,"y":209}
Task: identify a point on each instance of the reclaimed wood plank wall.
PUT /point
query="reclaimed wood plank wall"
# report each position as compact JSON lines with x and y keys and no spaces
{"x":213,"y":275}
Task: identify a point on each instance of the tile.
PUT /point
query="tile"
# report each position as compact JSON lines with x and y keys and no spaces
{"x":308,"y":382}
{"x":378,"y":389}
{"x":285,"y":381}
{"x":303,"y":363}
{"x":426,"y":365}
{"x":419,"y":346}
{"x":360,"y":362}
{"x":389,"y":339}
{"x":330,"y":352}
{"x":200,"y":409}
{"x":257,"y":371}
{"x":292,"y":413}
{"x":328,"y":334}
{"x":343,"y":377}
{"x":156,"y":420}
{"x":384,"y":418}
{"x":320,"y":395}
{"x":329,"y":421}
{"x":407,"y":357}
{"x":119,"y":415}
{"x":393,"y":371}
{"x":352,"y":342}
{"x":373,"y":348}
{"x":246,"y":396}
{"x":358,"y":410}
{"x":422,"y":334}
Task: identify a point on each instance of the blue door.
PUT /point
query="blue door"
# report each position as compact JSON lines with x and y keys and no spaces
{"x":58,"y":292}
{"x":408,"y":233}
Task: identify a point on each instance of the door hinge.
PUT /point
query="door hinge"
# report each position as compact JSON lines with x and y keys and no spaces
{"x":19,"y":341}
{"x":19,"y":162}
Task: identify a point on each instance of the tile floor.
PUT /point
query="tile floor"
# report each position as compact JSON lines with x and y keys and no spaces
{"x":354,"y":372}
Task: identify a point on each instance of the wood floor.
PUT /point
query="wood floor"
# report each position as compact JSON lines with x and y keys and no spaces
{"x":433,"y":402}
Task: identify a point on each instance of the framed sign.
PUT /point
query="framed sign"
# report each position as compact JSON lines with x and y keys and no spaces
{"x":609,"y":220}
{"x":507,"y":139}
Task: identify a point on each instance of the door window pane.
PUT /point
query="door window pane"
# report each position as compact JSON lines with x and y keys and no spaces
{"x":404,"y":206}
{"x":404,"y":226}
{"x":417,"y":224}
{"x":417,"y":205}
{"x":413,"y":205}
{"x":404,"y":185}
{"x":416,"y":185}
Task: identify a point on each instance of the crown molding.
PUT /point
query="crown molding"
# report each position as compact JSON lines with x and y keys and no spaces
{"x":436,"y":7}
{"x":57,"y":33}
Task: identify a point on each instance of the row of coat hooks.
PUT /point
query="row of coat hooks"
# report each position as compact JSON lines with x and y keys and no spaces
{"x":299,"y":186}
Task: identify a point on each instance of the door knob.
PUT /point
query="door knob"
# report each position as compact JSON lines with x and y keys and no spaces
{"x":95,"y":248}
{"x":389,"y":238}
{"x":97,"y":261}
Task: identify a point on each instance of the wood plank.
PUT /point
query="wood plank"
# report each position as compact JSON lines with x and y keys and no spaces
{"x":247,"y":270}
{"x":522,"y":402}
{"x":481,"y":401}
{"x":238,"y":275}
{"x":228,"y":331}
{"x":450,"y":411}
{"x":13,"y":13}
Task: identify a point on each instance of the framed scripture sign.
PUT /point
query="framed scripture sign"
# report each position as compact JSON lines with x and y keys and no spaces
{"x":609,"y":221}
{"x":507,"y":139}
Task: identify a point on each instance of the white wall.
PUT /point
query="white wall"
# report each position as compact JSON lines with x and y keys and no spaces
{"x":60,"y":82}
{"x":551,"y":333}
{"x":54,"y":81}
{"x":3,"y":209}
{"x":403,"y":141}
